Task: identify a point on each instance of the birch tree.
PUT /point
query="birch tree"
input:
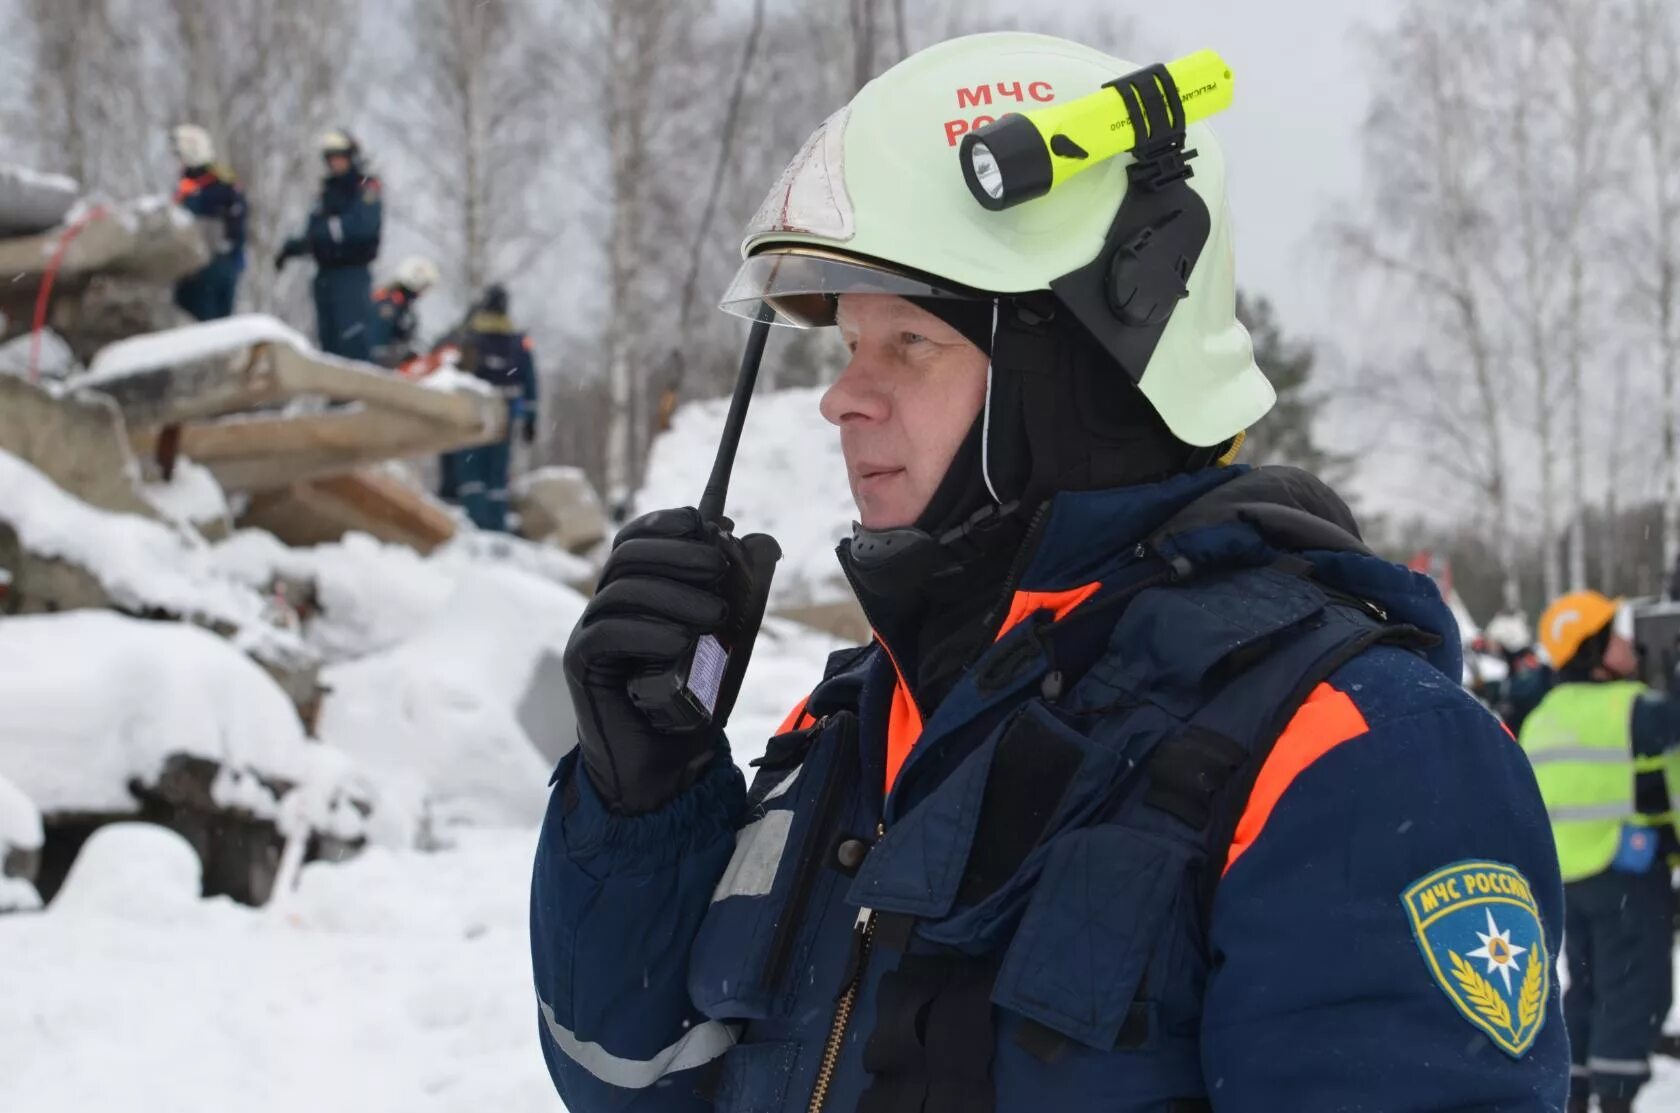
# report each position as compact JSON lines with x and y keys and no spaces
{"x":1429,"y":236}
{"x":471,"y":93}
{"x":90,"y":107}
{"x":1655,"y":107}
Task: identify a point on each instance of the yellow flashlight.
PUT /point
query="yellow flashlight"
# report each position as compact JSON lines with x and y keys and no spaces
{"x":1026,"y":155}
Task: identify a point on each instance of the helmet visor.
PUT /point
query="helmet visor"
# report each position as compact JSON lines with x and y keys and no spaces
{"x":803,"y":287}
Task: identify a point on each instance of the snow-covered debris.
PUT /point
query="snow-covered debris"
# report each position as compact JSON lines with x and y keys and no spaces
{"x":451,"y":380}
{"x":31,"y":201}
{"x":471,"y":547}
{"x":434,"y":719}
{"x":373,"y":595}
{"x":20,"y":832}
{"x":143,"y":565}
{"x":790,"y":482}
{"x":391,"y":983}
{"x":55,"y":360}
{"x":132,"y":872}
{"x":90,"y":700}
{"x":190,"y":497}
{"x":20,"y":821}
{"x":188,"y":344}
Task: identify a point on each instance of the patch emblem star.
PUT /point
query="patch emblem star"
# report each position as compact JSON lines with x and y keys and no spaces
{"x":1501,"y":986}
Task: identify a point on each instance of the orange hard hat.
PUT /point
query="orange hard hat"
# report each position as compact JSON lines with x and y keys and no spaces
{"x":1572,"y":620}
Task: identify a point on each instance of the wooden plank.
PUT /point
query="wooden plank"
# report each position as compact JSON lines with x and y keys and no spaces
{"x":323,"y":511}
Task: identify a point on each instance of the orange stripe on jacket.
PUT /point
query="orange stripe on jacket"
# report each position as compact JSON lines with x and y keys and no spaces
{"x":797,"y":719}
{"x":904,"y":720}
{"x":1325,"y":721}
{"x":1060,"y":603}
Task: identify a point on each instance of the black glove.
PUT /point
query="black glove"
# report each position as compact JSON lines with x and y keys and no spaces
{"x":671,"y":578}
{"x":291,"y":249}
{"x":529,"y":432}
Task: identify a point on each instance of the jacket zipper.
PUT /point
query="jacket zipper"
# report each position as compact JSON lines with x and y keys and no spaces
{"x":863,"y":937}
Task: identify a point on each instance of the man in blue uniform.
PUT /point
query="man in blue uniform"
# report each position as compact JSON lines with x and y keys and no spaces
{"x":500,"y":354}
{"x":212,"y":195}
{"x":1156,"y":790}
{"x":343,"y":237}
{"x":394,"y":322}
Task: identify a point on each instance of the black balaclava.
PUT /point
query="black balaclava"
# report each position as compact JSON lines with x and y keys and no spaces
{"x":1060,"y":416}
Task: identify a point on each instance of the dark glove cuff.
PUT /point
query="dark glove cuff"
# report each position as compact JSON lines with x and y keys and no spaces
{"x":711,"y":809}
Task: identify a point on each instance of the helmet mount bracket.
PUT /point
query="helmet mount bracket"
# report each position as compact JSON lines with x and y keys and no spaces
{"x":1126,"y":295}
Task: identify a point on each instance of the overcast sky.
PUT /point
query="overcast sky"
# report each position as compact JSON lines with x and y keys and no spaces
{"x":1291,"y":136}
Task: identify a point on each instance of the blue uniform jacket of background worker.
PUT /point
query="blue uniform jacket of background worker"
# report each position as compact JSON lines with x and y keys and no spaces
{"x":691,"y":958}
{"x":208,"y":294}
{"x":343,"y":238}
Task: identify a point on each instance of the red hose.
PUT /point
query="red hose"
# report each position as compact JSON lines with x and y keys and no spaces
{"x":45,"y":294}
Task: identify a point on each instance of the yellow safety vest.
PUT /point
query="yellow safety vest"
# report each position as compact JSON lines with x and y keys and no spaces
{"x":1580,"y":742}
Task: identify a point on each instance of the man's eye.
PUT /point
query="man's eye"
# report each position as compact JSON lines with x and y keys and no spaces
{"x":911,"y":337}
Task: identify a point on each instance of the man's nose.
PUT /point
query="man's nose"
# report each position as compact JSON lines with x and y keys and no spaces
{"x":859,"y":394}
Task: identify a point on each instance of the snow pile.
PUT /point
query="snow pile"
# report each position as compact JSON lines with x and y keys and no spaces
{"x":452,"y":380}
{"x":188,"y":344}
{"x":134,"y":872}
{"x":373,"y":595}
{"x":55,"y":360}
{"x":543,"y":561}
{"x":434,"y":719}
{"x":20,"y":822}
{"x":143,"y":565}
{"x":90,"y":700}
{"x":20,"y":830}
{"x":393,"y":983}
{"x":790,"y":482}
{"x":190,"y":497}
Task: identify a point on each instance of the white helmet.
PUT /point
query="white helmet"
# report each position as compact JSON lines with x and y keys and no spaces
{"x":192,"y":145}
{"x":418,"y":273}
{"x":337,"y":141}
{"x":876,"y":200}
{"x":1509,"y":631}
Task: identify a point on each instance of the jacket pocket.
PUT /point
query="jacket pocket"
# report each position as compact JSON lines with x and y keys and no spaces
{"x":759,"y":915}
{"x":754,"y":1077}
{"x":1098,"y":920}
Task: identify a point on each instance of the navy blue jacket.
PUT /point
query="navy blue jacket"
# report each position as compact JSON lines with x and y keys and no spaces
{"x":692,"y":959}
{"x":391,"y":332}
{"x":500,"y":354}
{"x":345,"y":224}
{"x":211,"y":197}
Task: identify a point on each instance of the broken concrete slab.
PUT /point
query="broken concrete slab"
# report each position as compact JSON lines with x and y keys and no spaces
{"x":560,"y":506}
{"x":371,"y":502}
{"x":249,"y":399}
{"x":75,"y":440}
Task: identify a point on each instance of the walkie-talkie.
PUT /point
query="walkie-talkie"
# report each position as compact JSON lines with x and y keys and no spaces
{"x":700,"y":689}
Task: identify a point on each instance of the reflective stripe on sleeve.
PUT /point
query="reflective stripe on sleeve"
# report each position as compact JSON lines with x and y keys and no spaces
{"x":758,"y":854}
{"x":699,"y":1045}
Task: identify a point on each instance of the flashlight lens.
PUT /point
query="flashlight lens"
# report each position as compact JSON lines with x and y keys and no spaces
{"x":986,"y":171}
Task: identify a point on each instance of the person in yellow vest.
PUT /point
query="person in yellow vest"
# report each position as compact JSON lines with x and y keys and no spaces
{"x":1602,"y":745}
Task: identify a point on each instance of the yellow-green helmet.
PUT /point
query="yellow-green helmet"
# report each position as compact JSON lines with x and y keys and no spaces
{"x":876,"y":201}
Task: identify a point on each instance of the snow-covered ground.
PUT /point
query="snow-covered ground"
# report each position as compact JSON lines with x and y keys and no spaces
{"x":398,"y":982}
{"x":91,"y":699}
